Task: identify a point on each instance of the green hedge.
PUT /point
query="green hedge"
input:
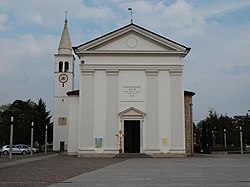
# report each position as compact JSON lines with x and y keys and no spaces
{"x":223,"y":148}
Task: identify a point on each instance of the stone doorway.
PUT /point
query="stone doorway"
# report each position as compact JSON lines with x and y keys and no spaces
{"x":132,"y":136}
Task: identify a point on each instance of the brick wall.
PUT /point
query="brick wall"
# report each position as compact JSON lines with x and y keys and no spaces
{"x":188,"y":105}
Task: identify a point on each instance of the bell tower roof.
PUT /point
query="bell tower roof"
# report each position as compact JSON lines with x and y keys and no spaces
{"x":65,"y":46}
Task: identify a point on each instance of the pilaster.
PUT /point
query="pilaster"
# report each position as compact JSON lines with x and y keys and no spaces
{"x":86,"y":139}
{"x":177,"y":113}
{"x":111,"y":111}
{"x":152,"y":126}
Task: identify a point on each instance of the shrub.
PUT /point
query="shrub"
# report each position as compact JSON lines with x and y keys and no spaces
{"x":217,"y":148}
{"x":197,"y":148}
{"x":223,"y":148}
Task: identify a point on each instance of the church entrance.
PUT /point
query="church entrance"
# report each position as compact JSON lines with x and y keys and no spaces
{"x":132,"y":136}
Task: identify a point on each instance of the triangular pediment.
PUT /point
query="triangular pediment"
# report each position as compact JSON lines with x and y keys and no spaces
{"x":132,"y":38}
{"x":132,"y":113}
{"x":132,"y":41}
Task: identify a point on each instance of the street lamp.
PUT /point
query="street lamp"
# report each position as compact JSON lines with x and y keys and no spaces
{"x":195,"y":137}
{"x":225,"y":137}
{"x":213,"y":134}
{"x":11,"y":136}
{"x":31,"y":139}
{"x":45,"y":143}
{"x":241,"y":142}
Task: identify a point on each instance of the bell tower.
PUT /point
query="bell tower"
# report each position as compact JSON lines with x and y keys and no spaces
{"x":63,"y":82}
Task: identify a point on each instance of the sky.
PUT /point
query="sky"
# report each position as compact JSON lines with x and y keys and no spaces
{"x":217,"y":68}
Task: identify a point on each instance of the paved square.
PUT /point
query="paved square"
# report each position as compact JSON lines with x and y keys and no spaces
{"x":212,"y":170}
{"x":68,"y":171}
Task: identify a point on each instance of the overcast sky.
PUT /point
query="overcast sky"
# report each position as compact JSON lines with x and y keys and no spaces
{"x":217,"y":69}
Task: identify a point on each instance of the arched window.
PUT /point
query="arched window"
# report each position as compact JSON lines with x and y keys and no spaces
{"x":66,"y":66}
{"x":60,"y":66}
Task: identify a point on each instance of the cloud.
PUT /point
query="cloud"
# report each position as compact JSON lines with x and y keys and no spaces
{"x":217,"y":69}
{"x":179,"y":17}
{"x":26,"y":68}
{"x":95,"y":13}
{"x":26,"y":47}
{"x":3,"y":20}
{"x":38,"y":19}
{"x":45,"y":12}
{"x":223,"y":7}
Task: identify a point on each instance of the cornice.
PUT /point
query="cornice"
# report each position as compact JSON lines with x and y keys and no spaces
{"x":65,"y":55}
{"x":113,"y":68}
{"x":175,"y":72}
{"x":151,"y":72}
{"x":87,"y":72}
{"x":112,"y":72}
{"x":129,"y":52}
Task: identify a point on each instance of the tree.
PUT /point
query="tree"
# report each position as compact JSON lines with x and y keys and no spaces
{"x":204,"y":137}
{"x":224,"y":122}
{"x":244,"y":122}
{"x":246,"y":130}
{"x":25,"y":112}
{"x":212,"y":129}
{"x":212,"y":123}
{"x":42,"y":120}
{"x":4,"y":125}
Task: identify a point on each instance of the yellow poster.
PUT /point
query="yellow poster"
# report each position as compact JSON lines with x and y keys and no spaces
{"x":164,"y":141}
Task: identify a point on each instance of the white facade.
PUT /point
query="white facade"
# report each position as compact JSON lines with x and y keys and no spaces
{"x":131,"y":80}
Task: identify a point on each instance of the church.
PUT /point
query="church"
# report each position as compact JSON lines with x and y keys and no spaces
{"x":131,"y":97}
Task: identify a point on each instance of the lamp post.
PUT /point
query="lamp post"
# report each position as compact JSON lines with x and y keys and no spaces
{"x":45,"y":143}
{"x":31,"y":139}
{"x":225,"y":137}
{"x":11,"y":136}
{"x":213,"y":134}
{"x":241,"y":142}
{"x":195,"y":138}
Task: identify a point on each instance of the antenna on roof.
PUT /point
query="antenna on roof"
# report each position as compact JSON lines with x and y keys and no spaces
{"x":131,"y":14}
{"x":66,"y":16}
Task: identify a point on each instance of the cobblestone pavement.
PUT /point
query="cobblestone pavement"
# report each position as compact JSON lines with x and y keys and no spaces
{"x":20,"y":159}
{"x":43,"y":172}
{"x":71,"y":171}
{"x":5,"y":158}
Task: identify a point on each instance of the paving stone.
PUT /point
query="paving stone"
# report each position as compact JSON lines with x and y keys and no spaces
{"x":69,"y":171}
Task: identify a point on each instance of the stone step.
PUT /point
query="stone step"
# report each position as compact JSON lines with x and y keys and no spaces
{"x":132,"y":155}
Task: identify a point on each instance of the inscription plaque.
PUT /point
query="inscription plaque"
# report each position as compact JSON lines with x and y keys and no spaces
{"x":132,"y":92}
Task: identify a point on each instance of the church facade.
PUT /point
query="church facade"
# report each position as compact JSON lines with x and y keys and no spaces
{"x":131,"y":89}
